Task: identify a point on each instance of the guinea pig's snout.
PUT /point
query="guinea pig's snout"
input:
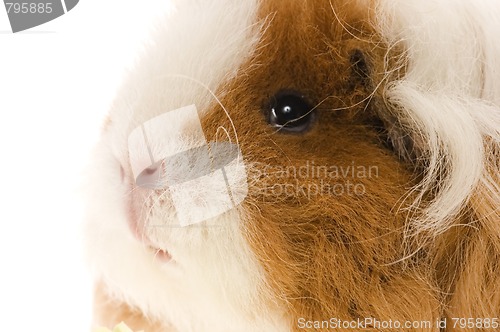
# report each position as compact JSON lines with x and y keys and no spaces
{"x":171,"y":157}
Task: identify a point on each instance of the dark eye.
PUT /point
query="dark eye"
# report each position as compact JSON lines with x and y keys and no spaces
{"x":290,"y":111}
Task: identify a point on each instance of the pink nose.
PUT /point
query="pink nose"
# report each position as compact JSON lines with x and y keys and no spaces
{"x":151,"y":177}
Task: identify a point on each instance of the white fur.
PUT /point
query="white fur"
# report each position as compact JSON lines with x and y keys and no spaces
{"x":448,"y":101}
{"x":215,"y":283}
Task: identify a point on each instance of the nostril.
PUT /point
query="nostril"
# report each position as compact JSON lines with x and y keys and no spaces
{"x":151,"y":170}
{"x":151,"y":176}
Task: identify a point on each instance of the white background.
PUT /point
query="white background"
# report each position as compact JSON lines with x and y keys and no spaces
{"x":56,"y":83}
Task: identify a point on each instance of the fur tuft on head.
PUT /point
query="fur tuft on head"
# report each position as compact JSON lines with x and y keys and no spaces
{"x":446,"y":103}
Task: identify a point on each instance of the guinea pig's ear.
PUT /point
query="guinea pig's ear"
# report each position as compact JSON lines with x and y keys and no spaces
{"x":375,"y":72}
{"x":359,"y":65}
{"x":360,"y":72}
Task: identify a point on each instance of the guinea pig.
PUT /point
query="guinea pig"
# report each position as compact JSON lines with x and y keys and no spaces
{"x":289,"y":165}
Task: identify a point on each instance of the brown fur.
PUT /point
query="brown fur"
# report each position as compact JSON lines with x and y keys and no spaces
{"x":330,"y":256}
{"x":470,"y":256}
{"x":343,"y":256}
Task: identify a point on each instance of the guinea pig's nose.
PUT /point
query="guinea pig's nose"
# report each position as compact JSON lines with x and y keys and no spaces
{"x":151,"y":176}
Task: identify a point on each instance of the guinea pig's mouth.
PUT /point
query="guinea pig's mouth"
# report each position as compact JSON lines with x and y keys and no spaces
{"x":161,"y":254}
{"x":138,"y":231}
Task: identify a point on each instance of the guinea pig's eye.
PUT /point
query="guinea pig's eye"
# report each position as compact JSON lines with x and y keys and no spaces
{"x":290,"y":111}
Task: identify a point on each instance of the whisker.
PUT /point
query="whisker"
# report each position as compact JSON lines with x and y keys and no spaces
{"x":309,"y":112}
{"x":225,"y":131}
{"x":345,"y":26}
{"x":212,"y":93}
